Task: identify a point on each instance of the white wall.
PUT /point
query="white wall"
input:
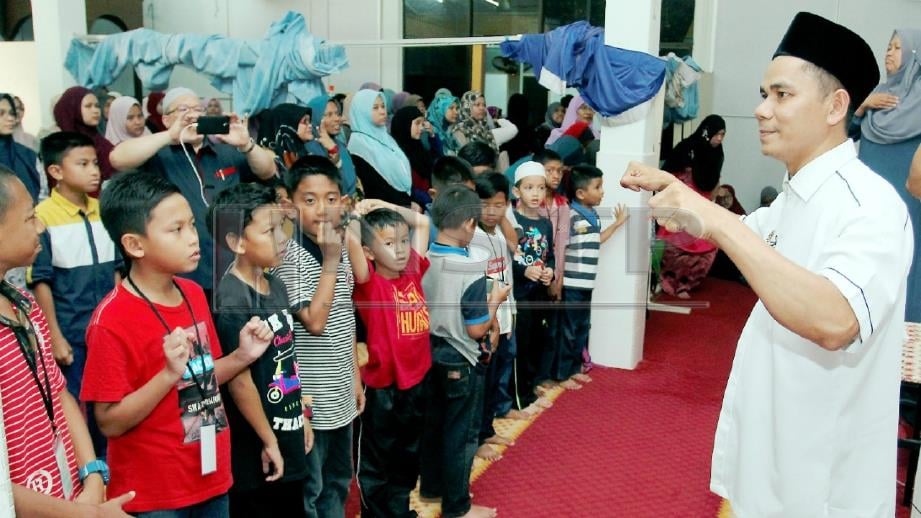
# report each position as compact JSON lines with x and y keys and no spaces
{"x":333,"y":20}
{"x":746,"y":36}
{"x":21,"y":57}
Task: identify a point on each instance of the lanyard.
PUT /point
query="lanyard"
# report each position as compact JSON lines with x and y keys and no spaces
{"x":197,"y":347}
{"x":31,"y":351}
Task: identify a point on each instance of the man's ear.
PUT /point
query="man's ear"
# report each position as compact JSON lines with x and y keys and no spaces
{"x":133,"y":245}
{"x":235,"y":243}
{"x":54,"y":171}
{"x":838,"y":107}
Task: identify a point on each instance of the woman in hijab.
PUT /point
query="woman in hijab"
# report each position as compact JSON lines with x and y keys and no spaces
{"x":13,"y":155}
{"x":380,"y":164}
{"x":407,"y":128}
{"x":330,"y":140}
{"x":442,"y":114}
{"x":20,"y":135}
{"x":578,"y":110}
{"x":890,"y":132}
{"x":522,"y":143}
{"x":472,"y":126}
{"x":552,"y":120}
{"x":78,"y":110}
{"x":154,"y":117}
{"x":126,"y":120}
{"x":697,"y":161}
{"x":286,"y":129}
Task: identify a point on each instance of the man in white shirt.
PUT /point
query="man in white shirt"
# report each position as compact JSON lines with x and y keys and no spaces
{"x":809,"y":419}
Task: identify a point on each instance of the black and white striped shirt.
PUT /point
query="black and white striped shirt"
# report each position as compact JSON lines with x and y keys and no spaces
{"x":325,"y":362}
{"x":582,"y":249}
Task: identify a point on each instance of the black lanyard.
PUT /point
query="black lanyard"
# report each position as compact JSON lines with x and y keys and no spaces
{"x":197,"y":347}
{"x":30,"y":349}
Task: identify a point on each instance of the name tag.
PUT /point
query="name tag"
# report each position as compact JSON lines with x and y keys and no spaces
{"x":208,"y":445}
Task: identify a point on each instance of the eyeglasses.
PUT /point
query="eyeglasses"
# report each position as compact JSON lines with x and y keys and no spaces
{"x":183,"y":109}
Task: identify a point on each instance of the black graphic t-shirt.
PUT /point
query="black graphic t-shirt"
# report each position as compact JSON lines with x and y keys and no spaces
{"x":275,"y":376}
{"x":535,"y":248}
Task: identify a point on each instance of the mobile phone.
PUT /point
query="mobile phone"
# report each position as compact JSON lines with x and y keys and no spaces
{"x":213,"y":125}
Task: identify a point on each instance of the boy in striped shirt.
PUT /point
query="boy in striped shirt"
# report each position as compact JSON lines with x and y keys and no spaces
{"x":585,"y":239}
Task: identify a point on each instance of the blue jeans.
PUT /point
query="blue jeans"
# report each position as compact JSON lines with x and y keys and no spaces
{"x":503,"y":397}
{"x":217,"y":507}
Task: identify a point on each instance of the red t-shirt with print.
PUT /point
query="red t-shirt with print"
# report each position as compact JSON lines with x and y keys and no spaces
{"x":397,"y":321}
{"x":159,"y":458}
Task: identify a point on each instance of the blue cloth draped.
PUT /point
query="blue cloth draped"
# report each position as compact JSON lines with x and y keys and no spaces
{"x":285,"y":66}
{"x":610,"y":79}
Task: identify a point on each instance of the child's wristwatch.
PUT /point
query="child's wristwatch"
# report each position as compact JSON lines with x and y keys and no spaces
{"x":96,"y":466}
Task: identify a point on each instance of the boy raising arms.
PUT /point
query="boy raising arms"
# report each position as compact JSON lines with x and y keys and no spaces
{"x":270,"y":441}
{"x":154,"y":361}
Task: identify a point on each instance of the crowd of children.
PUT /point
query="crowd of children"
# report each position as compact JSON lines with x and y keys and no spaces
{"x":328,"y":314}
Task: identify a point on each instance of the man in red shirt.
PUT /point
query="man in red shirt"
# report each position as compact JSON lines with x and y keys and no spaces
{"x":53,"y":467}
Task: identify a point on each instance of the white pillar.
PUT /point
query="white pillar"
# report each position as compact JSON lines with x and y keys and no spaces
{"x":6,"y":487}
{"x":619,"y":299}
{"x":55,"y":23}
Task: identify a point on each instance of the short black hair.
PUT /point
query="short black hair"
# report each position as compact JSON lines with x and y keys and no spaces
{"x":55,"y":146}
{"x":491,"y":184}
{"x":7,"y":177}
{"x":478,"y":154}
{"x":829,"y":84}
{"x":450,"y":170}
{"x":379,"y":219}
{"x":546,"y":155}
{"x":232,"y":210}
{"x":580,"y":177}
{"x":308,"y":166}
{"x":128,"y":200}
{"x":456,"y":205}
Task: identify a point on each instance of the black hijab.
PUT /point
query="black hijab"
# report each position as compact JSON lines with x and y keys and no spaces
{"x":20,"y":159}
{"x":278,"y":128}
{"x":401,"y":130}
{"x":705,"y":161}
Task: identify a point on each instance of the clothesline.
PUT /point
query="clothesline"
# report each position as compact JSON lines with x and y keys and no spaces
{"x":402,"y":42}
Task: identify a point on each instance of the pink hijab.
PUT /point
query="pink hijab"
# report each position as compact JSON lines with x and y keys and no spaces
{"x":572,"y":115}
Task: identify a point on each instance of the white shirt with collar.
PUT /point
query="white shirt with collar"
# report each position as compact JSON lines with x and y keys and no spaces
{"x":803,"y":431}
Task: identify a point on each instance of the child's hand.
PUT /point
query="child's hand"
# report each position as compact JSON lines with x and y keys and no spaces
{"x":556,"y":290}
{"x":533,"y":273}
{"x":494,"y":335}
{"x":500,"y":291}
{"x":546,"y":276}
{"x":367,"y":205}
{"x":621,"y":213}
{"x":359,"y":398}
{"x":61,"y":350}
{"x":330,"y":241}
{"x":273,"y":464}
{"x":177,"y":346}
{"x":255,"y":337}
{"x":308,"y":436}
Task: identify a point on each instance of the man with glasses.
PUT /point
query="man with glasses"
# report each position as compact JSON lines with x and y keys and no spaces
{"x":199,"y":166}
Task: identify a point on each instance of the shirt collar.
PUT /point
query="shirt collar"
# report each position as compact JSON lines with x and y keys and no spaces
{"x":810,"y":177}
{"x":438,"y":248}
{"x":92,"y":204}
{"x":587,"y":213}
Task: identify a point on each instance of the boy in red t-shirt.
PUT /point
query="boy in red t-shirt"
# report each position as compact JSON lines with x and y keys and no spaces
{"x":391,"y":304}
{"x":52,"y":465}
{"x":154,"y":362}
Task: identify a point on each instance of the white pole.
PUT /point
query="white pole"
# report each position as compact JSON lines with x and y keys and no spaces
{"x":6,"y":487}
{"x":621,"y":289}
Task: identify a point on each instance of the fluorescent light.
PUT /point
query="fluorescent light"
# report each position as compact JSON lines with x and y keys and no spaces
{"x":493,"y":2}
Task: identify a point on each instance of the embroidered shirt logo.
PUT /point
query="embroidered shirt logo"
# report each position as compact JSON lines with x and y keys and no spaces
{"x":771,"y":239}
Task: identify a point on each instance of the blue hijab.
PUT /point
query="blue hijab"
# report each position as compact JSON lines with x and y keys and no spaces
{"x":372,"y":143}
{"x":436,"y":115}
{"x":347,"y":167}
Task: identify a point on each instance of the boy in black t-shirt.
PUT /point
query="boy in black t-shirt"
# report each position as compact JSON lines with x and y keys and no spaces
{"x":270,"y":423}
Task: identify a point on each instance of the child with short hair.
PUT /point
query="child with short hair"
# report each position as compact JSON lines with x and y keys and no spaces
{"x":154,"y":361}
{"x":533,"y":271}
{"x":264,"y":410}
{"x":77,"y":265}
{"x":447,"y":171}
{"x":462,"y":343}
{"x":585,"y":240}
{"x":391,"y":303}
{"x":320,"y":265}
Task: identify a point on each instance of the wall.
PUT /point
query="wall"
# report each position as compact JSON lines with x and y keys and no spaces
{"x":21,"y":57}
{"x":378,"y":19}
{"x":758,"y":28}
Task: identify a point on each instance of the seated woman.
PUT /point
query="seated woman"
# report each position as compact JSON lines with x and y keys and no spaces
{"x":330,"y":139}
{"x":697,"y":161}
{"x":78,"y":110}
{"x":126,"y":120}
{"x":286,"y":129}
{"x":407,"y":128}
{"x":578,"y":111}
{"x":442,"y":114}
{"x":472,"y":126}
{"x":380,"y":164}
{"x":723,"y":267}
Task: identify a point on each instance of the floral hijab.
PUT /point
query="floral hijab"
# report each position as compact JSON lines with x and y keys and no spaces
{"x":473,"y":130}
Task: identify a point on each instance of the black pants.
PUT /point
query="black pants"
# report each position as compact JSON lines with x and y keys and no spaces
{"x":454,"y":406}
{"x":575,"y":323}
{"x":330,"y":472}
{"x":496,"y":386}
{"x":273,"y":499}
{"x":388,"y":450}
{"x":534,"y":332}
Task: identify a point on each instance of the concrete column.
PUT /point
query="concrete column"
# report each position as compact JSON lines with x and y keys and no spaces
{"x":619,"y":299}
{"x":55,"y":23}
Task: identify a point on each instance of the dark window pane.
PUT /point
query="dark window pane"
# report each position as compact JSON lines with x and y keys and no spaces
{"x":426,"y":69}
{"x":563,"y":12}
{"x":677,"y":32}
{"x":436,"y":19}
{"x":508,"y":17}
